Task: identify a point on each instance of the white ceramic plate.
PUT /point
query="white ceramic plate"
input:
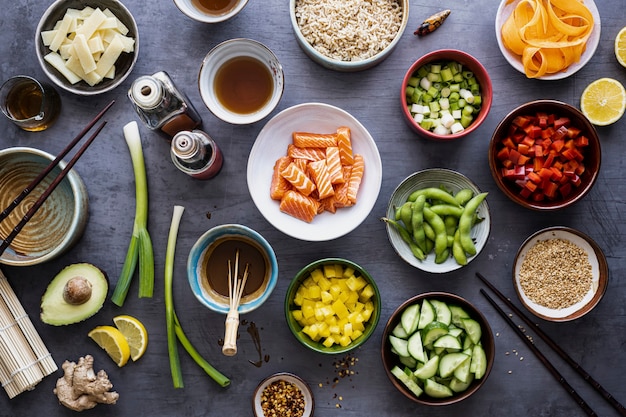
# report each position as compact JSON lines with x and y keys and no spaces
{"x":452,"y":181}
{"x":504,"y":11}
{"x":599,"y":270}
{"x":271,"y":144}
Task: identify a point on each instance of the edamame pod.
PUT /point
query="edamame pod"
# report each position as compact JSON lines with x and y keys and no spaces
{"x":441,"y":237}
{"x":405,"y":215}
{"x":463,"y":196}
{"x":406,"y":236}
{"x":417,"y":221}
{"x":447,"y":210}
{"x":458,"y":253}
{"x":466,"y":221}
{"x":434,"y":193}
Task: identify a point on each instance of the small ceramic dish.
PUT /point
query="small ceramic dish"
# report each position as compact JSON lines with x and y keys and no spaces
{"x":390,"y":359}
{"x":123,"y":65}
{"x":469,"y":63}
{"x":368,"y":321}
{"x":599,"y":275}
{"x":271,"y":144}
{"x":207,"y":267}
{"x":515,"y":186}
{"x":263,"y":397}
{"x":195,"y":10}
{"x":226,"y":53}
{"x":452,"y":181}
{"x":60,"y":221}
{"x":504,"y":11}
{"x":319,"y":52}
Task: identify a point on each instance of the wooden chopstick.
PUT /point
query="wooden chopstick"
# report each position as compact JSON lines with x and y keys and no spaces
{"x":586,"y":376}
{"x":579,"y":400}
{"x":31,"y":212}
{"x":5,"y":213}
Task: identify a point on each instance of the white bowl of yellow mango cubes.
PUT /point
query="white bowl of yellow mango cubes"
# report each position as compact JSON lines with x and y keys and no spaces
{"x":87,"y":47}
{"x":332,"y":305}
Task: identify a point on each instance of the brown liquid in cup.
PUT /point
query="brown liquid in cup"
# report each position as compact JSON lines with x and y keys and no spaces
{"x":215,"y":7}
{"x":243,"y":85}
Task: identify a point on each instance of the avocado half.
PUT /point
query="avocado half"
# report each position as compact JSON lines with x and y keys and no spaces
{"x":74,"y":294}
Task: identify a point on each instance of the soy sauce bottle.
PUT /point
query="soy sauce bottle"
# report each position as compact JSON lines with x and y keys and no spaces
{"x":161,"y":106}
{"x":196,"y":154}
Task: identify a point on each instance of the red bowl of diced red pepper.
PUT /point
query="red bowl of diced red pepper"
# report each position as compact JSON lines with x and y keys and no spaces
{"x":545,"y":155}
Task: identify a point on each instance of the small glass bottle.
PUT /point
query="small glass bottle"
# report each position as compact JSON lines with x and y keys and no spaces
{"x":196,"y":154}
{"x":160,"y":105}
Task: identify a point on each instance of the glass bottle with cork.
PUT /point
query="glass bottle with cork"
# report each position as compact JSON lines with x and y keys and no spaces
{"x":161,"y":106}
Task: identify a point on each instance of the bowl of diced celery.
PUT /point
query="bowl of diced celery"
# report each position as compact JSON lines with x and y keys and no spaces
{"x":446,"y":94}
{"x":437,"y":348}
{"x":87,"y":47}
{"x":332,"y":306}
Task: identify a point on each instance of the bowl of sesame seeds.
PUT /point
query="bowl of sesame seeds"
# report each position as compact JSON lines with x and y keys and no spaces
{"x":283,"y":394}
{"x":560,"y":274}
{"x":348,"y":35}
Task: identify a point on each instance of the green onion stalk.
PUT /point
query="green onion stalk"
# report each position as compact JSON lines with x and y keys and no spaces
{"x":174,"y":329}
{"x":140,"y":251}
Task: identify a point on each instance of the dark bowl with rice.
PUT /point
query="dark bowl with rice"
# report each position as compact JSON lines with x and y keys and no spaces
{"x":339,"y":50}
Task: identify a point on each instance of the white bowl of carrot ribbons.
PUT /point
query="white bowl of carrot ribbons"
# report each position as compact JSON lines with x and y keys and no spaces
{"x":526,"y":31}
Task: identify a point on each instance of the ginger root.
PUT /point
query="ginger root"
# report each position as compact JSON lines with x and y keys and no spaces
{"x":80,"y":388}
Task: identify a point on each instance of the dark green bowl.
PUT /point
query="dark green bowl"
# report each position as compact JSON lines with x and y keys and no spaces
{"x":296,"y":328}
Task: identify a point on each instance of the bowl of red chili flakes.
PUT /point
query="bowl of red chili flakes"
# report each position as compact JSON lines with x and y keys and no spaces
{"x":545,"y":155}
{"x":283,"y":394}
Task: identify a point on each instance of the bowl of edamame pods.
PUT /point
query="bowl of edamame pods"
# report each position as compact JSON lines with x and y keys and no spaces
{"x":545,"y":155}
{"x":445,"y":95}
{"x":438,"y":220}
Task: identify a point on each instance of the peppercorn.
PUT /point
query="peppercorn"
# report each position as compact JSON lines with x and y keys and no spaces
{"x":282,"y":399}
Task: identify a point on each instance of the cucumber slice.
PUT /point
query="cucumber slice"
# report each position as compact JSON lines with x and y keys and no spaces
{"x":415,"y":347}
{"x":459,"y":386}
{"x":427,"y":314}
{"x":462,"y":372}
{"x":399,"y":331}
{"x":399,"y":345}
{"x":433,"y":331}
{"x":442,"y":311}
{"x":479,"y":362}
{"x":436,"y":390}
{"x":407,"y":380}
{"x":449,"y":362}
{"x":408,"y":361}
{"x":429,"y":369}
{"x":473,"y":330}
{"x":457,"y":314}
{"x":410,"y":318}
{"x":454,"y":331}
{"x":447,"y":341}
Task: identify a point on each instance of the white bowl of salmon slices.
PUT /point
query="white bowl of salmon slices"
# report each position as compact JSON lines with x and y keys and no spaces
{"x":314,"y":172}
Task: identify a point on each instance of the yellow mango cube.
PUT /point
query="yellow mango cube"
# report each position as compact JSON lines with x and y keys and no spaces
{"x":326,"y":297}
{"x":316,"y":274}
{"x":324,"y":283}
{"x":334,"y":329}
{"x":297,"y":315}
{"x":352,"y":298}
{"x":355,"y":283}
{"x":348,"y":272}
{"x":356,"y":334}
{"x":338,"y":270}
{"x":329,"y":341}
{"x":330,"y":271}
{"x":335,"y":290}
{"x":340,"y":309}
{"x":311,"y":331}
{"x":347,"y":330}
{"x":313,"y":292}
{"x":344,"y":340}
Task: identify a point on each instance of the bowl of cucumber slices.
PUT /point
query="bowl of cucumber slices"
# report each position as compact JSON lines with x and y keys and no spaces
{"x":437,"y":348}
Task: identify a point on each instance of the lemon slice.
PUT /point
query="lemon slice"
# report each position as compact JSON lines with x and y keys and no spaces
{"x":135,"y":334}
{"x":620,"y":47}
{"x":113,"y":342}
{"x":603,"y":101}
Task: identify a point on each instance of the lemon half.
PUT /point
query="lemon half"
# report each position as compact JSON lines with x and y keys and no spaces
{"x":113,"y":342}
{"x":603,"y":101}
{"x":620,"y":47}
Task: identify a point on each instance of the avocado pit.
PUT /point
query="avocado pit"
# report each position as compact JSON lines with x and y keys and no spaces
{"x":77,"y":290}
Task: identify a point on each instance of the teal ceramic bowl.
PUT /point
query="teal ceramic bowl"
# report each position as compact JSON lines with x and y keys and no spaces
{"x":355,"y":277}
{"x":209,"y":279}
{"x":60,"y":221}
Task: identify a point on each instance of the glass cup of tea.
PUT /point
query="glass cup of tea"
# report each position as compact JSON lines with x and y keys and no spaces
{"x":30,"y":104}
{"x":241,"y":81}
{"x":210,"y":11}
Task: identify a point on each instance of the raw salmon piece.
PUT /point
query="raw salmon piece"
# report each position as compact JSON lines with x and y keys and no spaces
{"x":344,"y":142}
{"x":341,"y":190}
{"x":356,"y":175}
{"x":279,"y":184}
{"x":299,"y":206}
{"x":301,"y":164}
{"x":319,"y":174}
{"x":311,"y":154}
{"x":328,"y":204}
{"x":314,"y":140}
{"x":298,"y":178}
{"x":333,"y":165}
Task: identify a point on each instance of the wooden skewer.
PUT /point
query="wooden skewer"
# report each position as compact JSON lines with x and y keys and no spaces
{"x":31,"y":212}
{"x":235,"y":292}
{"x":5,"y":213}
{"x":586,"y":376}
{"x":555,"y":373}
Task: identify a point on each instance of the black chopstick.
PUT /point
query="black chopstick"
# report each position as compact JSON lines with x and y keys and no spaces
{"x":31,"y":212}
{"x":579,"y":400}
{"x":5,"y":213}
{"x":586,"y":376}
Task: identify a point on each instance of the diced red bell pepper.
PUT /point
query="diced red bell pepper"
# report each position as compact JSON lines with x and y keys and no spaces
{"x":561,"y":122}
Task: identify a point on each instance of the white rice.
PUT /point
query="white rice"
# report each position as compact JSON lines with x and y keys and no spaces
{"x":349,"y":30}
